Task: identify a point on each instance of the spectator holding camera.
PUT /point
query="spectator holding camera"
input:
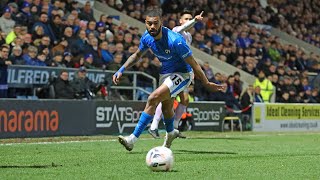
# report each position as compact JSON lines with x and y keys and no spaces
{"x":83,"y":87}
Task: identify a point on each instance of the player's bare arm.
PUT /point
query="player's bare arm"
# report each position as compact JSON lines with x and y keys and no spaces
{"x":133,"y":59}
{"x":200,"y":75}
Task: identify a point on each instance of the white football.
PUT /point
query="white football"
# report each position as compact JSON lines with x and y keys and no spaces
{"x":160,"y":159}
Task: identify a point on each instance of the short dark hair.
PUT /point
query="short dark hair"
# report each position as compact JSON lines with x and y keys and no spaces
{"x":186,"y":11}
{"x":63,"y":71}
{"x":154,"y":13}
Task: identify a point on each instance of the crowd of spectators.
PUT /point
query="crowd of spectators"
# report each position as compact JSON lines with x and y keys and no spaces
{"x":62,"y":33}
{"x":226,"y":33}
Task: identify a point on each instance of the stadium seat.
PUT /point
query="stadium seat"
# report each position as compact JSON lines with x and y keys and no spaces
{"x":231,"y":119}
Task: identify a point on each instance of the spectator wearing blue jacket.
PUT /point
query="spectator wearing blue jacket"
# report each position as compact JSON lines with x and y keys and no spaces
{"x":31,"y":59}
{"x":43,"y":22}
{"x":105,"y":55}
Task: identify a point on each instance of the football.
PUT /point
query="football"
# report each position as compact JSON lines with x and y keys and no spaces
{"x":160,"y":159}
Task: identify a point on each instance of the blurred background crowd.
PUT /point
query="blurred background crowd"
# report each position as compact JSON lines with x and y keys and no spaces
{"x":65,"y":34}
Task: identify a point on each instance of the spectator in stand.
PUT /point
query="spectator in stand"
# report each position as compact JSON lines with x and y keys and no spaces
{"x":243,"y":41}
{"x":62,"y":87}
{"x":104,"y":53}
{"x":57,"y":60}
{"x":225,"y":96}
{"x":92,"y":28}
{"x":88,"y":61}
{"x":24,"y":17}
{"x":82,"y":85}
{"x":80,"y":44}
{"x":14,"y":10}
{"x":208,"y":71}
{"x":61,"y":47}
{"x":42,"y":57}
{"x":246,"y":99}
{"x":68,"y":35}
{"x":16,"y":56}
{"x":87,"y":12}
{"x":93,"y":50}
{"x":257,"y":95}
{"x":101,"y":27}
{"x":57,"y":26}
{"x":265,"y":85}
{"x":67,"y":60}
{"x":4,"y":63}
{"x":43,"y":22}
{"x":37,"y":34}
{"x":315,"y":97}
{"x":237,"y":83}
{"x":16,"y":31}
{"x":6,"y":22}
{"x":31,"y":57}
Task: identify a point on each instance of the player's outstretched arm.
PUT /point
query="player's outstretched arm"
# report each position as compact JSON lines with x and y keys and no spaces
{"x":186,"y":26}
{"x":129,"y":63}
{"x":200,"y":75}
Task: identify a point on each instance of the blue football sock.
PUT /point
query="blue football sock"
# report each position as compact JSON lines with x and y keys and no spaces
{"x":169,"y":124}
{"x":142,"y":124}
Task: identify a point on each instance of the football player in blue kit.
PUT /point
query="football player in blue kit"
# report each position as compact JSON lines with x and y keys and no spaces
{"x":176,"y":74}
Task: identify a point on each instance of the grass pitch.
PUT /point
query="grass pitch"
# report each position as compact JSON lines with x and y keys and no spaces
{"x":204,"y":155}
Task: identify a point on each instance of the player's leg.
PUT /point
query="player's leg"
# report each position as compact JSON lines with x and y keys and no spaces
{"x":153,"y":130}
{"x":162,"y":93}
{"x":168,"y":118}
{"x":177,"y":82}
{"x":182,"y":107}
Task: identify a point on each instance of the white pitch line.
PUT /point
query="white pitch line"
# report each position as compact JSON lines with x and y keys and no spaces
{"x":111,"y":140}
{"x":63,"y":142}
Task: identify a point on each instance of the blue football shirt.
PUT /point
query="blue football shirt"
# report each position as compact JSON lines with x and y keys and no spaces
{"x":171,"y":50}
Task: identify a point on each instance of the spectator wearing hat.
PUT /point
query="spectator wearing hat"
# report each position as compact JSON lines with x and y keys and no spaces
{"x":6,"y":22}
{"x":109,"y":24}
{"x":101,"y":27}
{"x":67,"y":60}
{"x":43,"y":22}
{"x":82,"y":85}
{"x":88,"y":61}
{"x":24,"y":17}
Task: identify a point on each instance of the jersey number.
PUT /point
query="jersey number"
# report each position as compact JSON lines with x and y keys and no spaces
{"x":176,"y":79}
